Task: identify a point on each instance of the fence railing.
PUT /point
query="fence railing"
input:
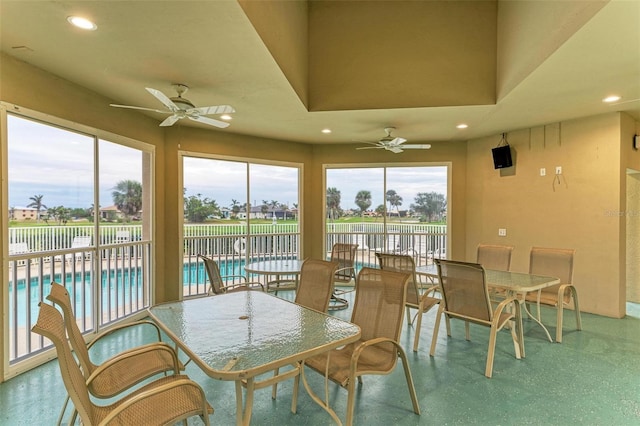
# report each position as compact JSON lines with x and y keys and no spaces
{"x":111,"y":280}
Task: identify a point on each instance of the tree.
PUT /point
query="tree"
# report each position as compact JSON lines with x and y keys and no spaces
{"x":197,"y":208}
{"x":235,"y":207}
{"x":60,"y":214}
{"x":363,"y":201}
{"x":36,"y":203}
{"x":127,"y":196}
{"x":429,"y":204}
{"x":333,"y":202}
{"x":394,"y":200}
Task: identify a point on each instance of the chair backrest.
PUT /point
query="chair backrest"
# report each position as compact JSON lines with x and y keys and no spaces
{"x":464,"y":290}
{"x":402,"y":263}
{"x":123,"y":236}
{"x":316,"y":284}
{"x":378,"y":308}
{"x":51,"y":325}
{"x":493,"y":256}
{"x":216,"y":284}
{"x":81,"y":241}
{"x":345,"y":255}
{"x":553,"y":262}
{"x":60,"y":296}
{"x":18,"y":248}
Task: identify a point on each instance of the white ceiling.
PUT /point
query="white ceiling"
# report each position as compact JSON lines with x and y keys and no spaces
{"x":213,"y":48}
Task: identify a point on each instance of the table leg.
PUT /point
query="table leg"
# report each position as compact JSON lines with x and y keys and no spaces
{"x":243,"y":416}
{"x":316,"y":398}
{"x":521,"y":298}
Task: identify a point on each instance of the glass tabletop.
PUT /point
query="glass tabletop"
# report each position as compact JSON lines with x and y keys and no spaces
{"x":239,"y":335}
{"x":274,"y":267}
{"x":513,"y":281}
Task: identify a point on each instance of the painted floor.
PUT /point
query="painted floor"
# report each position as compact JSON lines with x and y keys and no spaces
{"x":591,"y":378}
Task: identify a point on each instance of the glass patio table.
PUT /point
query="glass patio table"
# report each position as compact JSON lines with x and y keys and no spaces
{"x":239,"y":336}
{"x":515,"y":284}
{"x":277,"y":268}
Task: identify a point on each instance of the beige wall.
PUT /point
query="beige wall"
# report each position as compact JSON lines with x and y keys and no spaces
{"x":577,"y":210}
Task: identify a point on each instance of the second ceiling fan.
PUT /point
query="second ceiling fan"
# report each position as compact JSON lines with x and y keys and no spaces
{"x":393,"y":144}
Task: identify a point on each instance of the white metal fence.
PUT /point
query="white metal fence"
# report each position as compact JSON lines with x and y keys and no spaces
{"x":111,"y":280}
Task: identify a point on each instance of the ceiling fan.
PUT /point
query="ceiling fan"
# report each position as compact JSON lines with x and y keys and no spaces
{"x":180,"y":108}
{"x":393,"y":144}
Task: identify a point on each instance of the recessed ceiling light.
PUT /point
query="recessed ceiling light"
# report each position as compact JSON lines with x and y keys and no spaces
{"x":612,"y":98}
{"x":326,"y":130}
{"x":462,"y":126}
{"x":226,"y":117}
{"x":83,"y":23}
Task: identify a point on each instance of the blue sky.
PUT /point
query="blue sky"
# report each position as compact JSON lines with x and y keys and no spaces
{"x":58,"y":164}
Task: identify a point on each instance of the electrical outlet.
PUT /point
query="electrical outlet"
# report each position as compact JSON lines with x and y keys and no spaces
{"x":543,"y":172}
{"x":502,"y":232}
{"x":558,"y":170}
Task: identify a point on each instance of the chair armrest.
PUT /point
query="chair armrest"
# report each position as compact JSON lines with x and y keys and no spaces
{"x":140,"y":351}
{"x":244,"y":284}
{"x":368,"y":343}
{"x":138,"y":415}
{"x":123,"y":326}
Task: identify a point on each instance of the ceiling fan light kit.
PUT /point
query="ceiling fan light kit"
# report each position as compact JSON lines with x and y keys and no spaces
{"x":393,"y":144}
{"x":180,"y":108}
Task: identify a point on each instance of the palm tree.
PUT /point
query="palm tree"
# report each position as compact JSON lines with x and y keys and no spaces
{"x":36,"y":203}
{"x":363,"y":201}
{"x":333,"y":202}
{"x":394,"y":200}
{"x":127,"y":196}
{"x":235,"y":207}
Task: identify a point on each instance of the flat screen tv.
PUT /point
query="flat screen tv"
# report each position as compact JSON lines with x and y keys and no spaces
{"x":502,"y":157}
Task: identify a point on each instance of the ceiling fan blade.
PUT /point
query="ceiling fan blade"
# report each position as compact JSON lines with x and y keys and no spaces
{"x":370,"y":147}
{"x":423,"y":146}
{"x":163,"y":98}
{"x":169,"y":121}
{"x":394,"y":149}
{"x":209,"y":121}
{"x":397,"y":141}
{"x":215,"y":109}
{"x":142,"y":108}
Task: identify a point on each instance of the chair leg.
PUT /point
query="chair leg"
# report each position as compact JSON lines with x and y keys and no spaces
{"x":407,"y":375}
{"x":351,"y":391}
{"x":576,"y":306}
{"x":434,"y":337}
{"x":559,"y":316}
{"x":467,"y":333}
{"x":408,"y":316}
{"x":491,"y":352}
{"x":416,"y":338}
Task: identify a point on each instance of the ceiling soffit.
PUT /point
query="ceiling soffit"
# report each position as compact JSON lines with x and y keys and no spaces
{"x":383,"y":54}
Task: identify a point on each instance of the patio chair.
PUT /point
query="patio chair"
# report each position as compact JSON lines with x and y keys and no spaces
{"x":314,"y":292}
{"x":465,"y":297}
{"x":163,"y":401}
{"x":122,"y":371}
{"x":497,"y":257}
{"x":345,"y":255}
{"x":558,"y":263}
{"x":79,"y":242}
{"x":422,"y":302}
{"x":316,"y":284}
{"x":217,"y":283}
{"x":378,"y":310}
{"x":492,"y":256}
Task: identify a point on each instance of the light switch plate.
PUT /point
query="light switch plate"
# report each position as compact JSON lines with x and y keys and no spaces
{"x":502,"y":232}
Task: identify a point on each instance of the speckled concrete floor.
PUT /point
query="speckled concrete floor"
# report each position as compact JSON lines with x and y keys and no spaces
{"x":592,"y":378}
